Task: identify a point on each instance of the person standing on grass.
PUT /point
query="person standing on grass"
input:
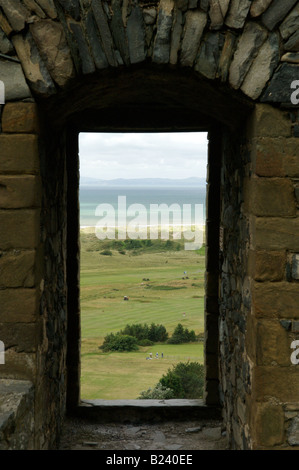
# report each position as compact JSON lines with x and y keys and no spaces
{"x":157,"y":355}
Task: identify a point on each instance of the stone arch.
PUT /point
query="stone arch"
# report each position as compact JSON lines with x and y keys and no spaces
{"x":224,"y":66}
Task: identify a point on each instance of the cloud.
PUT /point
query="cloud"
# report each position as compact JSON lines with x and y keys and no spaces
{"x":140,"y":155}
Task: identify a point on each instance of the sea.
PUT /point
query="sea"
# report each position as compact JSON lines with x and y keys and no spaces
{"x":127,"y":203}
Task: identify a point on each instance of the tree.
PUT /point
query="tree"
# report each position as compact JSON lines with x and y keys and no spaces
{"x":186,"y":380}
{"x":182,"y":335}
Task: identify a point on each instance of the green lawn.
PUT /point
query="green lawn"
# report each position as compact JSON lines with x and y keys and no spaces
{"x":159,"y":292}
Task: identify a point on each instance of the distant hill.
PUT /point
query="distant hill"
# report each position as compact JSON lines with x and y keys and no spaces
{"x":143,"y":182}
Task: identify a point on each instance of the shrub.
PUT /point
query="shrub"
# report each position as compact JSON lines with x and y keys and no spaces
{"x":145,"y":342}
{"x":119,"y":342}
{"x":159,"y":392}
{"x":186,"y":380}
{"x":106,"y":252}
{"x":182,"y":335}
{"x":154,"y":333}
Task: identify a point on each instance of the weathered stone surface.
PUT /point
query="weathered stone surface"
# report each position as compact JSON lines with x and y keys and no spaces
{"x":34,"y":8}
{"x":22,"y":229}
{"x":258,"y":7}
{"x":293,"y":432}
{"x":271,"y":122}
{"x":269,"y":424}
{"x":217,"y":12}
{"x":35,"y":70}
{"x":295,"y":266}
{"x":4,"y":25}
{"x":291,"y":58}
{"x":48,"y":7}
{"x":51,"y":42}
{"x":293,"y":43}
{"x":237,"y":13}
{"x":94,"y":41}
{"x":20,"y":117}
{"x":290,"y":25}
{"x":279,"y":89}
{"x":12,"y":76}
{"x":118,"y":32}
{"x":87,"y":62}
{"x":6,"y":46}
{"x":17,"y":270}
{"x":267,"y":265}
{"x":19,"y":153}
{"x":19,"y":191}
{"x":273,"y":344}
{"x":247,"y":49}
{"x":262,"y":67}
{"x":136,"y":35}
{"x":274,"y":233}
{"x":17,"y":412}
{"x":72,"y":7}
{"x":105,"y":34}
{"x":281,"y":383}
{"x":161,"y":50}
{"x":209,"y":55}
{"x":277,"y":12}
{"x":226,"y":55}
{"x":15,"y":12}
{"x":150,"y":15}
{"x":18,"y":306}
{"x":204,"y":4}
{"x":193,"y":30}
{"x":176,"y":36}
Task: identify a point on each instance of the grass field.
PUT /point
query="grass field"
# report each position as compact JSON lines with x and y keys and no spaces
{"x":162,"y":286}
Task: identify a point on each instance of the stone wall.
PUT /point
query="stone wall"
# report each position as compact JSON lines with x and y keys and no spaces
{"x":225,"y":57}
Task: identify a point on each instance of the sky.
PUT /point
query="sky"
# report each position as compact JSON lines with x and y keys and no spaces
{"x":166,"y":155}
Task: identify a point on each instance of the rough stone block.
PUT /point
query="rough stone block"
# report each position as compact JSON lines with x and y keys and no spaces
{"x":194,"y":26}
{"x":176,"y":36}
{"x":19,"y":153}
{"x":293,"y":432}
{"x":105,"y":34}
{"x":276,"y":12}
{"x":279,"y":90}
{"x":20,"y":118}
{"x":19,"y":191}
{"x":37,"y":75}
{"x":87,"y":62}
{"x":272,"y":344}
{"x":270,"y":197}
{"x":209,"y":55}
{"x":51,"y":41}
{"x":18,"y":365}
{"x":48,"y":7}
{"x":270,"y":122}
{"x":262,"y":68}
{"x":15,"y":12}
{"x":22,"y":229}
{"x":22,"y":337}
{"x":258,"y":7}
{"x":281,"y":383}
{"x":226,"y":55}
{"x":136,"y":36}
{"x":268,"y":425}
{"x":295,"y":266}
{"x":293,"y":43}
{"x":17,"y":269}
{"x":275,"y":300}
{"x":217,"y":12}
{"x":274,"y":233}
{"x":237,"y":13}
{"x":12,"y":76}
{"x":161,"y":52}
{"x":267,"y":265}
{"x":18,"y":306}
{"x":290,"y":24}
{"x":248,"y":47}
